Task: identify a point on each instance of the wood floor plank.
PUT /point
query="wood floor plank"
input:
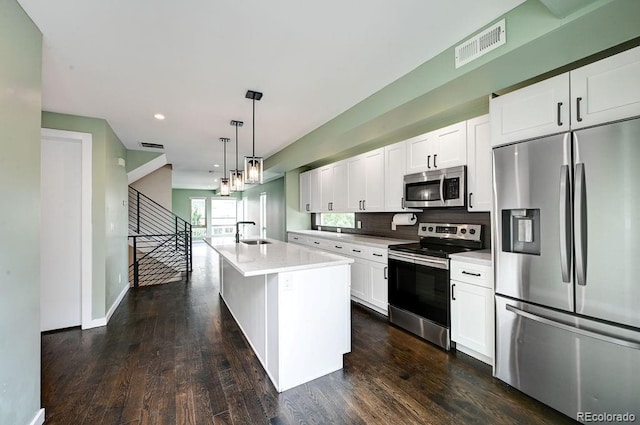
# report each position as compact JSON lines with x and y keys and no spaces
{"x":173,"y":354}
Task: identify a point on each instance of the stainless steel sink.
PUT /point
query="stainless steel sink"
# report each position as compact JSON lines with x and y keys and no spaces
{"x":255,"y":241}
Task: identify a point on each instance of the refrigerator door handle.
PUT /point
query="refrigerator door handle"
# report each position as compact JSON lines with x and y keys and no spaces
{"x":581,"y":226}
{"x":565,"y":224}
{"x":589,"y":333}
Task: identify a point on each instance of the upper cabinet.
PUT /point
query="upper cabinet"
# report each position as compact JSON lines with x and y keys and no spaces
{"x":607,"y":90}
{"x":479,"y":164}
{"x":395,"y":167}
{"x":333,"y":193}
{"x":310,"y":191}
{"x":604,"y":91}
{"x":533,"y":111}
{"x":442,"y":148}
{"x":366,"y":182}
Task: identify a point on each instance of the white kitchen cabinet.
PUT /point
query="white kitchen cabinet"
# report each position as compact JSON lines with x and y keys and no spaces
{"x":310,"y":191}
{"x":366,"y":182}
{"x":607,"y":90}
{"x":479,"y":164}
{"x":333,"y":195}
{"x":450,"y":147}
{"x":472,"y":309}
{"x":360,"y":279}
{"x":442,"y":148}
{"x":395,"y":167}
{"x":378,"y":285}
{"x":533,"y":111}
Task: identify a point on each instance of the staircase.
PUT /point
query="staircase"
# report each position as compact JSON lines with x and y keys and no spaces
{"x":160,"y":243}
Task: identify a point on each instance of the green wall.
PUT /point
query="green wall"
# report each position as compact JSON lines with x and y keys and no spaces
{"x":20,"y":105}
{"x":436,"y":94}
{"x":108,"y":211}
{"x":182,"y":205}
{"x":138,"y":158}
{"x":295,"y":220}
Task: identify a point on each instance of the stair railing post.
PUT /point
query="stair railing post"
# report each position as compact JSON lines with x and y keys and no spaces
{"x":137,"y":213}
{"x":176,"y":230}
{"x":135,"y":262}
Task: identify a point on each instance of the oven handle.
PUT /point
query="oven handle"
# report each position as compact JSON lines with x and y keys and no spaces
{"x":422,"y":261}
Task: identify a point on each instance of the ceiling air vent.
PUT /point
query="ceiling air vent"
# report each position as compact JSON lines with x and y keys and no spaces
{"x":481,"y":43}
{"x":151,"y":145}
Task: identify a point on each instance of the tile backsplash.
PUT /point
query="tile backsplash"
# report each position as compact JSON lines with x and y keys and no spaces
{"x":379,"y":224}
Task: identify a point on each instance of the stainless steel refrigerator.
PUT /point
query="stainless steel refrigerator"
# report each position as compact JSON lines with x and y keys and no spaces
{"x":567,"y":269}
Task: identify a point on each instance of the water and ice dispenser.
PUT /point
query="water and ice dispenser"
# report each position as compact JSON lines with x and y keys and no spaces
{"x":521,"y":231}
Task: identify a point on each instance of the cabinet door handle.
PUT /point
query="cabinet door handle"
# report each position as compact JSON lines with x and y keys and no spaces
{"x":316,"y":242}
{"x":364,"y":206}
{"x":559,"y":114}
{"x":470,"y":193}
{"x":453,"y":294}
{"x":402,"y":203}
{"x":386,"y":276}
{"x":377,"y":255}
{"x":337,"y":246}
{"x":356,"y":250}
{"x":434,"y":160}
{"x":578,"y":101}
{"x":471,"y":274}
{"x":429,"y":161}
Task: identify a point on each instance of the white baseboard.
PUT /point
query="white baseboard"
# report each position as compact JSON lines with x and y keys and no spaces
{"x":102,"y":321}
{"x":38,"y":419}
{"x":117,"y":302}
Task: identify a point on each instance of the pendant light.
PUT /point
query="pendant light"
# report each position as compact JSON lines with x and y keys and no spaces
{"x":237,"y":176}
{"x":224,"y":181}
{"x":253,"y":164}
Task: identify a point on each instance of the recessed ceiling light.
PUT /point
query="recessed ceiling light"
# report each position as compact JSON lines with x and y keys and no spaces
{"x":215,"y":180}
{"x":216,"y":165}
{"x":159,"y":117}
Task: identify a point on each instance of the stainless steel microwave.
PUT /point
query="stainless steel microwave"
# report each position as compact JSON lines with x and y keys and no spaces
{"x":436,"y":189}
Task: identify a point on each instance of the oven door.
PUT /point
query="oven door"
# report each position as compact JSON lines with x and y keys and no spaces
{"x":421,"y":287}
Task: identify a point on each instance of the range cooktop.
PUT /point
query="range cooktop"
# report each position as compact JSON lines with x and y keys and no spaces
{"x":441,"y":240}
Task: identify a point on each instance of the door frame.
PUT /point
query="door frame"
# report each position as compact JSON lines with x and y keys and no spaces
{"x":86,"y":230}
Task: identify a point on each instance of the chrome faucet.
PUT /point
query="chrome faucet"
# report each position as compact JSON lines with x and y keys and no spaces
{"x":238,"y":228}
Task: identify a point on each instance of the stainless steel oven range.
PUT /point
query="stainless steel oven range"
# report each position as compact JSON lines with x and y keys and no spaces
{"x":419,"y":279}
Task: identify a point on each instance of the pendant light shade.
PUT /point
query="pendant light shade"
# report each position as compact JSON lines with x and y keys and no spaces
{"x":237,"y":176}
{"x":253,"y":165}
{"x":225,"y":186}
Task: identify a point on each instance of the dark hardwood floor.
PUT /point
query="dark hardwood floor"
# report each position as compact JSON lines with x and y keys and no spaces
{"x":172,"y":354}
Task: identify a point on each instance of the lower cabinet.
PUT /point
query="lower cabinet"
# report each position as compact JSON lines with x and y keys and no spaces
{"x":369,"y":284}
{"x":472,"y":310}
{"x":369,"y":272}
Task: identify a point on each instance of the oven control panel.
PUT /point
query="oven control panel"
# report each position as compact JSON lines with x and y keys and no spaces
{"x":471,"y":232}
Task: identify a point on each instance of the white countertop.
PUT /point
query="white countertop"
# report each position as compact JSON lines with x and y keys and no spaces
{"x":376,"y":242}
{"x":275,"y":257}
{"x":482,"y":257}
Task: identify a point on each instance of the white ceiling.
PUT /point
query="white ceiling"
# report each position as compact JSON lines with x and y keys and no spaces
{"x":193,"y":61}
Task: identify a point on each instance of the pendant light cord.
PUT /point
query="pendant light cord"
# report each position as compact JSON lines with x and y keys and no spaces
{"x":253,"y":125}
{"x":236,"y":150}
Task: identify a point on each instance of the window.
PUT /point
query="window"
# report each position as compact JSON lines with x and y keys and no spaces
{"x":346,"y":220}
{"x":223,"y":217}
{"x":198,"y":218}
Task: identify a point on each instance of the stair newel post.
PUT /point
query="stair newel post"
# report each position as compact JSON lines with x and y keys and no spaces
{"x":137,"y":213}
{"x":135,"y":262}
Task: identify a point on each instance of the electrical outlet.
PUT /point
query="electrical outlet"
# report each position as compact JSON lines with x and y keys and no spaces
{"x":339,"y":230}
{"x":359,"y":224}
{"x":119,"y":277}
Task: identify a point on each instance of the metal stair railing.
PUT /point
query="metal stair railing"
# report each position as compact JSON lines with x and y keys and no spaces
{"x":161,"y":242}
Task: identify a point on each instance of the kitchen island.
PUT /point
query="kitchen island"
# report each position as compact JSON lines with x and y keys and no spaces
{"x":293,"y":305}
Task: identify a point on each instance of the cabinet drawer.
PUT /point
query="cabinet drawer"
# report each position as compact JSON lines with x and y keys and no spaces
{"x":378,"y":255}
{"x":475,"y":274}
{"x":293,"y":238}
{"x":359,"y":251}
{"x":339,"y":247}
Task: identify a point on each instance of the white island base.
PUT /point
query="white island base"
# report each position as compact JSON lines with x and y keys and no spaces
{"x":297,"y":322}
